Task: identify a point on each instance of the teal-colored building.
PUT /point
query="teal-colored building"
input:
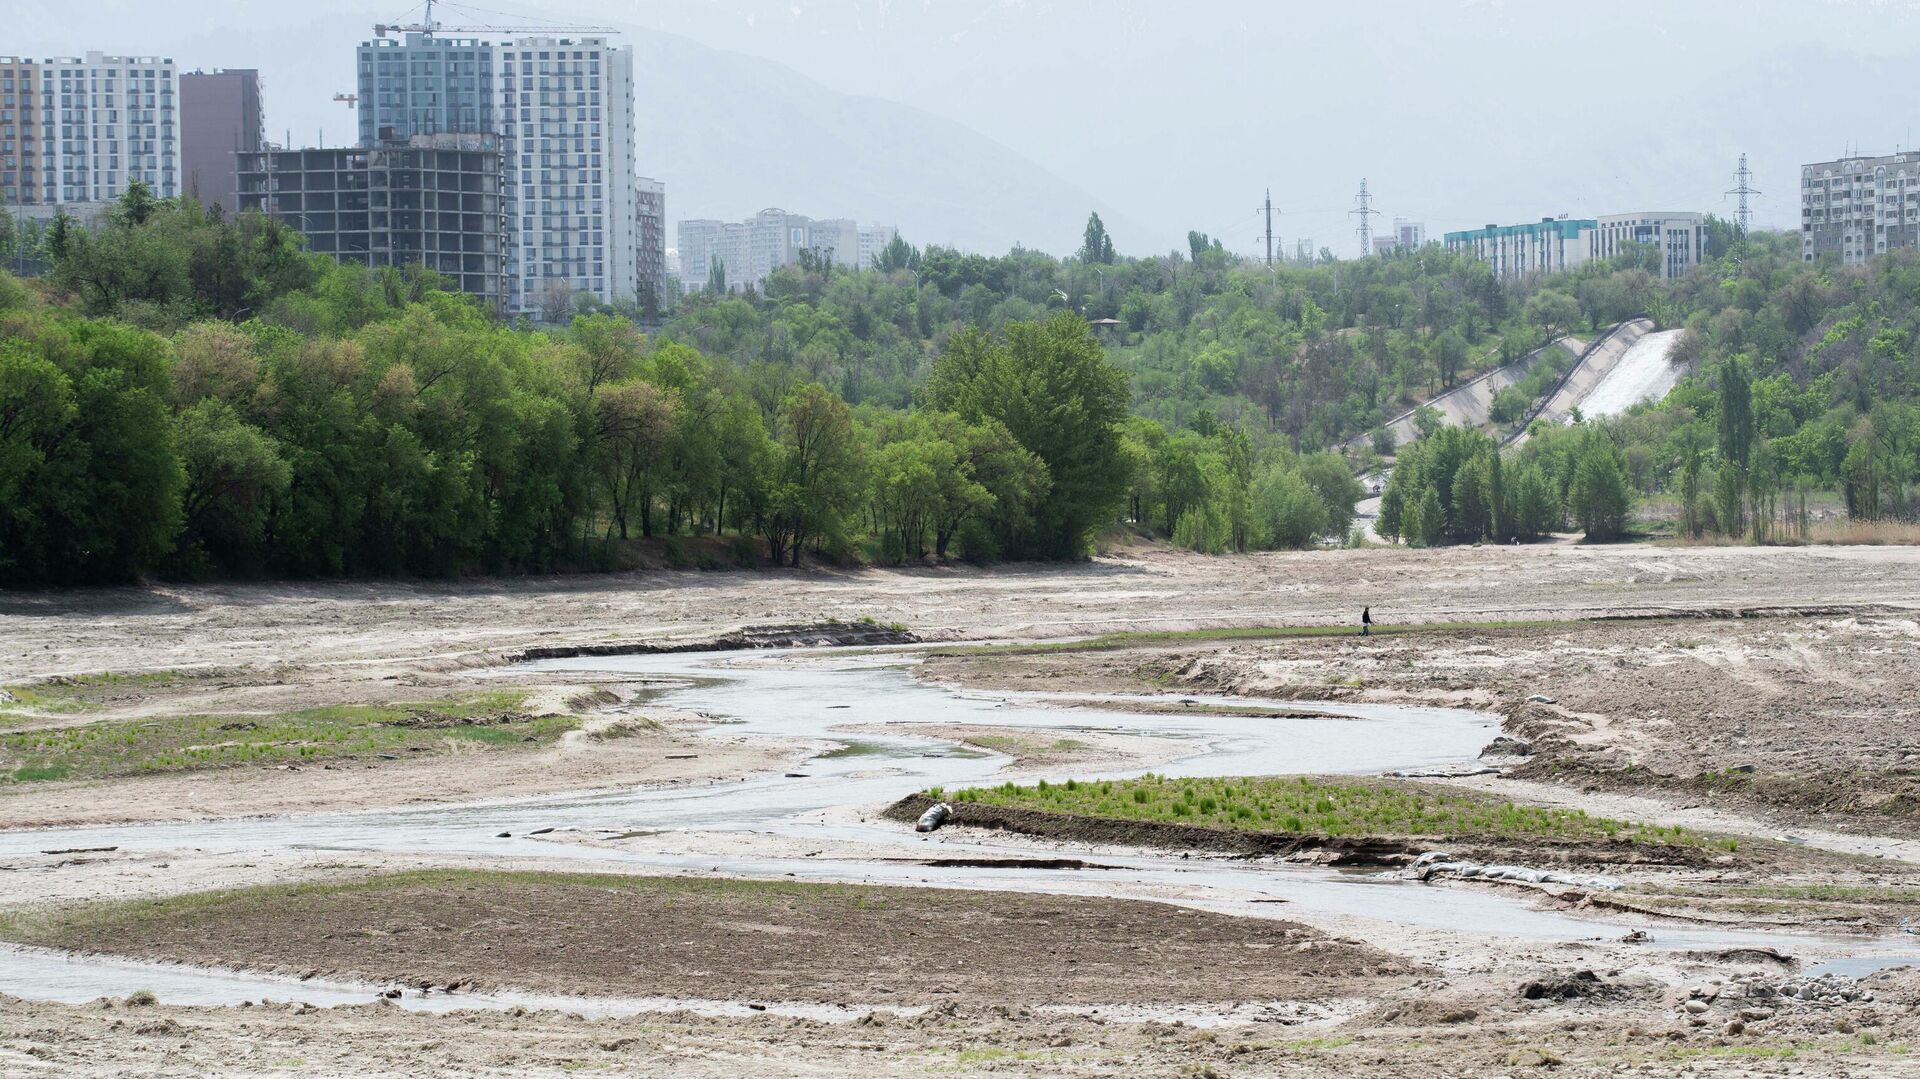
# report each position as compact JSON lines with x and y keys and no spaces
{"x":1549,"y":245}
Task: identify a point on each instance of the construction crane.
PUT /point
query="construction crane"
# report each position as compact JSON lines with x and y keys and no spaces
{"x":430,"y":27}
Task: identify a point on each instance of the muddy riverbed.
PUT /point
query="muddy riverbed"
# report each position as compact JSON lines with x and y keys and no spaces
{"x":816,"y":747}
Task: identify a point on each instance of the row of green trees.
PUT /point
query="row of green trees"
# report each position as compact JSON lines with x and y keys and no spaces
{"x":195,"y":394}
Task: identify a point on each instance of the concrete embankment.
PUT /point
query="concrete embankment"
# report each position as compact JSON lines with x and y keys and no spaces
{"x":1596,"y":363}
{"x":1470,"y":404}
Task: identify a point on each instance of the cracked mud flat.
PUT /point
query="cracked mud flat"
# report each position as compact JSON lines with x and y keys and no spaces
{"x":1815,"y":696}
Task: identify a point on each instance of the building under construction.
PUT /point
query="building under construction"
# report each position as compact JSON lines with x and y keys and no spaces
{"x":433,"y":199}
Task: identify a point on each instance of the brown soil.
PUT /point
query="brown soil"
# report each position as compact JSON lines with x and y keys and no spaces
{"x":1801,"y":717}
{"x":1430,"y":1026}
{"x":627,"y":936}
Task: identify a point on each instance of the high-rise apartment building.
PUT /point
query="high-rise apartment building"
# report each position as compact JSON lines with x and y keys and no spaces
{"x":650,"y":202}
{"x":219,"y":117}
{"x":563,"y":108}
{"x":1860,"y":206}
{"x":749,"y":251}
{"x":77,"y":130}
{"x":434,"y":200}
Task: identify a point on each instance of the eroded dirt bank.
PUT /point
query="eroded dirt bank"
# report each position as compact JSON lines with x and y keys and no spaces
{"x":1807,"y":720}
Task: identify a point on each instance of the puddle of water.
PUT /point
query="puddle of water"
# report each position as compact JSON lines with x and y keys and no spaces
{"x":75,"y":979}
{"x":1859,"y":966}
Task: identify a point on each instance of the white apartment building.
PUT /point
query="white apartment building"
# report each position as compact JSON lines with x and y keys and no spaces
{"x":567,"y":108}
{"x":563,"y":109}
{"x":873,"y":240}
{"x":80,"y":129}
{"x":1681,"y":238}
{"x":749,"y":251}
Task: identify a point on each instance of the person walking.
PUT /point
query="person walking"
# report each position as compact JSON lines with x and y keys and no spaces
{"x":1366,"y":621}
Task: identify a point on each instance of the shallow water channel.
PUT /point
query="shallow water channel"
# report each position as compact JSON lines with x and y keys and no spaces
{"x":809,"y":695}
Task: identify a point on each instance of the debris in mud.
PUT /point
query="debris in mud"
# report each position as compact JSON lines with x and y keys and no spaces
{"x":1579,"y":985}
{"x":81,"y":850}
{"x":1017,"y":863}
{"x":429,"y":719}
{"x":1459,"y":771}
{"x":805,"y":635}
{"x":1438,"y":863}
{"x":1540,"y":698}
{"x":1745,"y":955}
{"x":1507,"y":746}
{"x":935,"y":816}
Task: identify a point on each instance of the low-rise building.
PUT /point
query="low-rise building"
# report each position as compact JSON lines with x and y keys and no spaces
{"x":433,"y":200}
{"x":1557,"y":244}
{"x":1549,"y":245}
{"x":1680,"y":238}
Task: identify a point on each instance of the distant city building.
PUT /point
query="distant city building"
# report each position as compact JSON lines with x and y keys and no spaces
{"x":1681,"y":238}
{"x":219,"y":117}
{"x":78,"y":130}
{"x":873,"y":240}
{"x":563,"y":108}
{"x":1409,"y":234}
{"x":650,"y":201}
{"x":1385,"y":245}
{"x":1859,"y":206}
{"x":1555,"y":244}
{"x":749,"y":251}
{"x":435,"y":200}
{"x":1549,"y":245}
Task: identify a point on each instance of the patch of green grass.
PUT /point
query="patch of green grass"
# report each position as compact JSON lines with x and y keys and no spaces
{"x":188,"y":743}
{"x":1013,"y":744}
{"x":855,"y":749}
{"x":75,"y":693}
{"x":1138,"y":638}
{"x":1319,"y":807}
{"x":991,"y":1053}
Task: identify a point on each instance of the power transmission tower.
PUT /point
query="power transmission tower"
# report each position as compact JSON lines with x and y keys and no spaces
{"x":1743,"y":186}
{"x":1363,"y":210}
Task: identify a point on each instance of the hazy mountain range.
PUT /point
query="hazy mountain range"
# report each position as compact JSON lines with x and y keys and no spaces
{"x":735,"y":134}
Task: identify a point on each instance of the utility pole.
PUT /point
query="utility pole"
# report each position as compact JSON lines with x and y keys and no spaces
{"x":1743,"y":186}
{"x":1269,"y":212}
{"x":1364,"y":212}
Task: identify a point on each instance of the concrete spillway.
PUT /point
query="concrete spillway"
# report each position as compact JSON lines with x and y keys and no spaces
{"x":1470,"y":404}
{"x":1644,"y":373}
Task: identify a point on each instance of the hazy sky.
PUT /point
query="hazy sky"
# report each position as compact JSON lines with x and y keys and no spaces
{"x":1180,"y":114}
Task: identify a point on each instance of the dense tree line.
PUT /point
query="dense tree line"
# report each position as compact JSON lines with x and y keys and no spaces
{"x":1803,"y":376}
{"x":196,"y":395}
